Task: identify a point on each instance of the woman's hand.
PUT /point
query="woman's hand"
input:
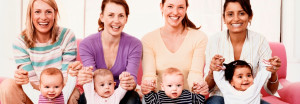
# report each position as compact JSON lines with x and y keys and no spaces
{"x":74,"y":68}
{"x":85,"y":75}
{"x":21,"y":77}
{"x":276,"y":63}
{"x":216,"y":63}
{"x":127,"y":81}
{"x":200,"y":88}
{"x":148,"y":86}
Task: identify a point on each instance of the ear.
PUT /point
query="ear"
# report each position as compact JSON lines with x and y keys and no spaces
{"x":101,"y":17}
{"x":161,"y":7}
{"x":115,"y":83}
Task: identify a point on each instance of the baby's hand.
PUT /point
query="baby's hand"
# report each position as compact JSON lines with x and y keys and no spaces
{"x":123,"y":75}
{"x":148,"y":86}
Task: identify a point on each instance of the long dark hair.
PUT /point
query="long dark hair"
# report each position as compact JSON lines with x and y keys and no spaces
{"x":186,"y":22}
{"x":119,"y":2}
{"x":230,"y":68}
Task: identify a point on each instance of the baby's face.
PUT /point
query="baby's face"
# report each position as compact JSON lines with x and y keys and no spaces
{"x":172,"y":85}
{"x":242,"y":78}
{"x":104,"y":86}
{"x":51,"y":86}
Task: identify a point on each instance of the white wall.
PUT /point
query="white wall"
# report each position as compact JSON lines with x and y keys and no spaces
{"x":10,"y":27}
{"x":297,"y":30}
{"x":145,"y":15}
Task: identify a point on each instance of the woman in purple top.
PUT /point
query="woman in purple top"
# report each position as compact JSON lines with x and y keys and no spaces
{"x":113,"y":49}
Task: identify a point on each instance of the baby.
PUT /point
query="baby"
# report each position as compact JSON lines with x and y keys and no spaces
{"x":102,"y":88}
{"x":52,"y":88}
{"x":239,"y":86}
{"x":172,"y":90}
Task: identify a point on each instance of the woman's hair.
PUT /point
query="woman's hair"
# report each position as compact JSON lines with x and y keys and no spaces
{"x":186,"y":22}
{"x":52,"y":71}
{"x":119,"y":2}
{"x":244,"y":3}
{"x":29,"y":32}
{"x":230,"y":68}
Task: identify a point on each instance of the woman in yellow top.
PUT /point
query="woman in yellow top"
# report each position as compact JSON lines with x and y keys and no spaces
{"x":178,"y":44}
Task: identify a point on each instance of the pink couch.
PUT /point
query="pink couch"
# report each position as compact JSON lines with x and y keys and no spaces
{"x":290,"y":91}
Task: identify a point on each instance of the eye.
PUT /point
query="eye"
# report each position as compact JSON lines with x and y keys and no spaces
{"x":109,"y":83}
{"x":121,"y":16}
{"x":170,"y":6}
{"x":249,"y":75}
{"x":56,"y":86}
{"x":46,"y":86}
{"x":169,"y":85}
{"x":242,"y":13}
{"x":230,"y":14}
{"x":49,"y":12}
{"x":239,"y":76}
{"x":110,"y":15}
{"x":181,"y":7}
{"x":178,"y":85}
{"x":102,"y":85}
{"x":36,"y":11}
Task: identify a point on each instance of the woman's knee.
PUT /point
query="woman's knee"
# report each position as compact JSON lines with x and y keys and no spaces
{"x":9,"y":86}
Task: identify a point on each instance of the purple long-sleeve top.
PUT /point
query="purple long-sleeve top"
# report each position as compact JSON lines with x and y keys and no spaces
{"x":128,"y":56}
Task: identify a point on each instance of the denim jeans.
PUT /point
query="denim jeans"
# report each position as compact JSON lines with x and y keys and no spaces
{"x":220,"y":100}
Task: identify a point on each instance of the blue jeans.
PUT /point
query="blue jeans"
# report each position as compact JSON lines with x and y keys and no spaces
{"x":220,"y":100}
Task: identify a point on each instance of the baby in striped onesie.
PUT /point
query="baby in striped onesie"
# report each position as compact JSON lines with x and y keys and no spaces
{"x":172,"y":90}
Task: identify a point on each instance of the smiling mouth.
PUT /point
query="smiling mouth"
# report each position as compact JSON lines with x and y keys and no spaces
{"x":236,"y":25}
{"x":43,"y":24}
{"x":174,"y":17}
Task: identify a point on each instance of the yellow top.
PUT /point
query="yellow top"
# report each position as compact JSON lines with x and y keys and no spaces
{"x":189,"y":58}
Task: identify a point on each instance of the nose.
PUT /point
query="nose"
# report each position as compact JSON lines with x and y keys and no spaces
{"x":43,"y":16}
{"x":116,"y":19}
{"x":236,"y":17}
{"x":51,"y":89}
{"x":175,"y":11}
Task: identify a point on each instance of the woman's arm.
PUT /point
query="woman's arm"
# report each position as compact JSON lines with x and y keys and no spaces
{"x":148,"y":61}
{"x":22,"y":59}
{"x":265,"y":53}
{"x":198,"y":60}
{"x":69,"y":53}
{"x":134,"y":59}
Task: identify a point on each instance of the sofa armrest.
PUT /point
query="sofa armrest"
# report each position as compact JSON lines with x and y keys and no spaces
{"x":290,"y":93}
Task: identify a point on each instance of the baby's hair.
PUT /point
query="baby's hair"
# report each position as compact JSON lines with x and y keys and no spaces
{"x":172,"y":71}
{"x":102,"y":72}
{"x":52,"y":71}
{"x":230,"y":68}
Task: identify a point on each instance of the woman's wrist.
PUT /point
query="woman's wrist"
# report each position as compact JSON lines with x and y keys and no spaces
{"x":273,"y":81}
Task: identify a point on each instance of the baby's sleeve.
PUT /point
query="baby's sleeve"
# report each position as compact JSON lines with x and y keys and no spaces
{"x":32,"y":93}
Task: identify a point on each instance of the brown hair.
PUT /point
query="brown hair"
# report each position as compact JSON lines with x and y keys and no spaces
{"x":244,"y":3}
{"x":29,"y":32}
{"x":102,"y":72}
{"x":186,"y":22}
{"x":119,"y":2}
{"x":52,"y":71}
{"x":172,"y":71}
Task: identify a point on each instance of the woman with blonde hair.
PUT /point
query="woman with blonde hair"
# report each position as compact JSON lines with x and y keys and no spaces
{"x":43,"y":44}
